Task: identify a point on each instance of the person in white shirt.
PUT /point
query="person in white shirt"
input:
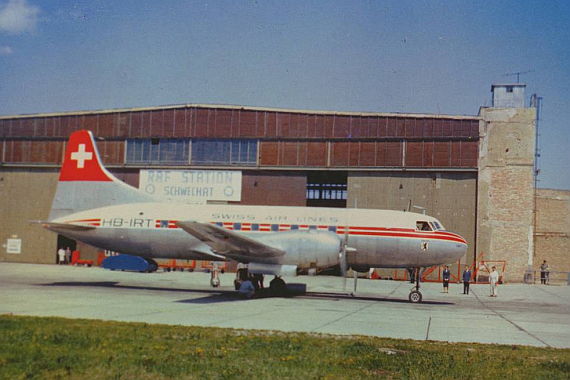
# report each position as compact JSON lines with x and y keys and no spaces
{"x":61,"y":256}
{"x":494,"y":280}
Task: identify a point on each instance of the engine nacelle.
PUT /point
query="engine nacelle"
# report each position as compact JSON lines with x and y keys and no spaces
{"x":274,"y":269}
{"x":306,"y":249}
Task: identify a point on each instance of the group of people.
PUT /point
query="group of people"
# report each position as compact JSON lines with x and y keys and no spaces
{"x":63,"y":256}
{"x":493,"y":278}
{"x":252,"y":286}
{"x":466,"y":277}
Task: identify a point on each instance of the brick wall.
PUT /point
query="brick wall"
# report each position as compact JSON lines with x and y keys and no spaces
{"x":553,"y":230}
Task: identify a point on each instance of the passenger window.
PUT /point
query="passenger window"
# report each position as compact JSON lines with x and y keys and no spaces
{"x":423,"y":226}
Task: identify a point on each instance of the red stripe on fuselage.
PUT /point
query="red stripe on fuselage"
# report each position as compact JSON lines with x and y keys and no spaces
{"x":91,"y":222}
{"x":430,"y":236}
{"x":341,"y":230}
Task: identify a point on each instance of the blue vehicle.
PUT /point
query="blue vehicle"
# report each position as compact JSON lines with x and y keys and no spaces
{"x":130,"y":263}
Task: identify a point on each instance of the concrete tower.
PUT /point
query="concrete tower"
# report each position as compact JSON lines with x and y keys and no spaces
{"x":505,"y":185}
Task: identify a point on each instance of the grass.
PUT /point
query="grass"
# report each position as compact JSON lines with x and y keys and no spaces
{"x":56,"y":348}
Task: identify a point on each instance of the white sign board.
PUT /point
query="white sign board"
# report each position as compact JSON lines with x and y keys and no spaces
{"x":192,"y":186}
{"x":14,"y":246}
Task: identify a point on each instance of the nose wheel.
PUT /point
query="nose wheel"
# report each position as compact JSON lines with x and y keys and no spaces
{"x":415,"y":295}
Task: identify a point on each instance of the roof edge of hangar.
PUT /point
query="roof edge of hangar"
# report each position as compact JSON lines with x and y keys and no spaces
{"x":245,"y":108}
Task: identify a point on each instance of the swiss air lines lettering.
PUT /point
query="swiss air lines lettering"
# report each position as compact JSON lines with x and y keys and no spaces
{"x":276,"y":218}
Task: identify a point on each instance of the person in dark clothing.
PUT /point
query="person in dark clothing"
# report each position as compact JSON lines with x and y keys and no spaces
{"x":466,"y":279}
{"x":412,"y":274}
{"x":446,"y":276}
{"x":544,"y":273}
{"x":277,"y":286}
{"x":258,"y":282}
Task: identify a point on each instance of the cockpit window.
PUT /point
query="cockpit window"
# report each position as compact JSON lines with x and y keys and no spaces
{"x":437,"y":226}
{"x":423,"y":226}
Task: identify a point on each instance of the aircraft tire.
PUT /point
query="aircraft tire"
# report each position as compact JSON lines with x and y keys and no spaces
{"x":415,"y":296}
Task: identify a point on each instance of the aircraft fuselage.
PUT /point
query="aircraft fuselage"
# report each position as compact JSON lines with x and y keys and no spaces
{"x":311,"y":237}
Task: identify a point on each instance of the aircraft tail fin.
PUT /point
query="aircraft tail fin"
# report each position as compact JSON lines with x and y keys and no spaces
{"x":85,"y":183}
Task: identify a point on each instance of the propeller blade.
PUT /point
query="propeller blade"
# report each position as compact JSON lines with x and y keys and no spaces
{"x":355,"y":281}
{"x":342,"y":257}
{"x":343,"y":264}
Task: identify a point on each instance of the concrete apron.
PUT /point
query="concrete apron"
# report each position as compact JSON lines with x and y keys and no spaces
{"x":535,"y":315}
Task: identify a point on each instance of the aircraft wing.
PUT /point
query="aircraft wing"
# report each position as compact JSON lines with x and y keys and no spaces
{"x":63,"y":226}
{"x":227,"y":243}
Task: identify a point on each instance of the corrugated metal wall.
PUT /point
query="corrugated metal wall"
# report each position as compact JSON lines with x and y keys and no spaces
{"x":237,"y":123}
{"x":294,"y":139}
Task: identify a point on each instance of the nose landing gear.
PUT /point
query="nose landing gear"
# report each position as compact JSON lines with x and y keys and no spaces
{"x":415,"y":294}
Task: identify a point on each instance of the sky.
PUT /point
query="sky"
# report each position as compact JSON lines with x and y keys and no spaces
{"x":377,"y":56}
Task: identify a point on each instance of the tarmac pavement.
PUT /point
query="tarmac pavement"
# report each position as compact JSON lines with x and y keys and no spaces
{"x":535,"y":315}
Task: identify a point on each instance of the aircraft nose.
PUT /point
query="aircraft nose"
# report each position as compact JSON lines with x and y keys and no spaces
{"x":459,"y":248}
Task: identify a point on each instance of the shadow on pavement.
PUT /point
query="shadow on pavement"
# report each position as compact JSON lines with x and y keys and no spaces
{"x":117,"y":285}
{"x":345,"y":296}
{"x":219,"y":295}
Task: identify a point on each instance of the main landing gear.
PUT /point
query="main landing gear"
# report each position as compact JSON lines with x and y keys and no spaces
{"x":415,"y":294}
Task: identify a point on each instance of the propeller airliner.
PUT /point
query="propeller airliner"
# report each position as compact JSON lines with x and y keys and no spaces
{"x":91,"y":205}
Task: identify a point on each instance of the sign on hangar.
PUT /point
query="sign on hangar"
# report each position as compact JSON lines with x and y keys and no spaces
{"x":192,"y":186}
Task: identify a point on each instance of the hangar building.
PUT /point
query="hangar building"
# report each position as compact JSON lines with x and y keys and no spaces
{"x":474,"y":173}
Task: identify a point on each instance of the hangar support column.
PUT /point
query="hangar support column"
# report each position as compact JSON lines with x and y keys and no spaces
{"x":505,"y":201}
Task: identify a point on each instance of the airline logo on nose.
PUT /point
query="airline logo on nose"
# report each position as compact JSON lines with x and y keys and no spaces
{"x":81,"y":156}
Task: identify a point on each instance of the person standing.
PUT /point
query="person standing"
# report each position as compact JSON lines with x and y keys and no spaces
{"x":61,"y":256}
{"x":258,"y":282}
{"x":544,"y":272}
{"x":466,"y":279}
{"x":67,"y":255}
{"x":494,"y":280}
{"x":446,"y":277}
{"x":412,"y":274}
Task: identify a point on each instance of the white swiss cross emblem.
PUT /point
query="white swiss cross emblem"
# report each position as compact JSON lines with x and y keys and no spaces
{"x":81,"y":156}
{"x":424,"y":245}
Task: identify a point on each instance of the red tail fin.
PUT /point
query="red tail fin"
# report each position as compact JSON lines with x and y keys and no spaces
{"x":82,"y":161}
